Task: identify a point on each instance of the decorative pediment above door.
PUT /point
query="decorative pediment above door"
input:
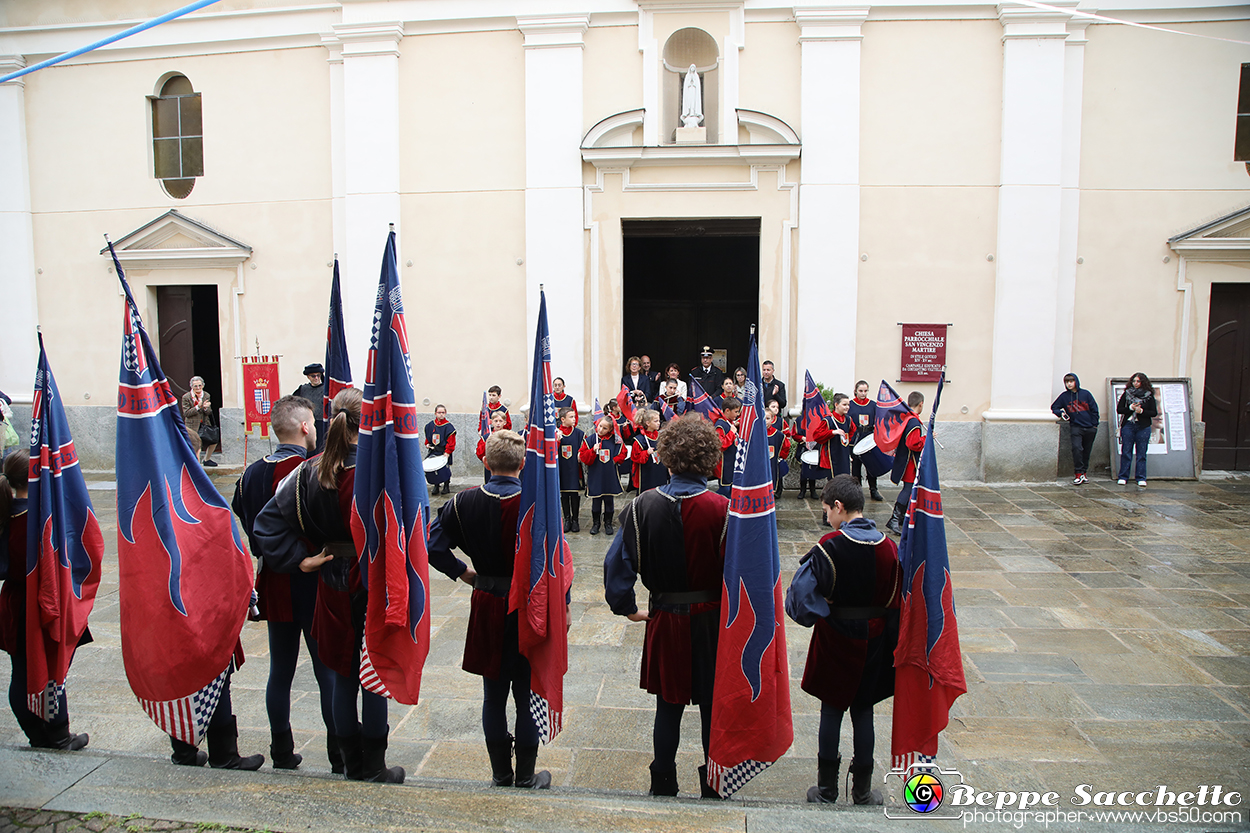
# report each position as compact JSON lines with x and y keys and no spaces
{"x":175,"y":241}
{"x":1224,"y":239}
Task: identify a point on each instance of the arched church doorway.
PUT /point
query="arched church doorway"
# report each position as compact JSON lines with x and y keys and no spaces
{"x":688,"y":283}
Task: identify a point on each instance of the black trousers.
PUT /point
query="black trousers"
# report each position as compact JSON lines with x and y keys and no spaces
{"x":1082,"y":447}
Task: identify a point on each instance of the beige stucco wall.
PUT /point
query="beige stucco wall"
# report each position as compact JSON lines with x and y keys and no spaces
{"x":768,"y":71}
{"x":1156,"y":148}
{"x":91,"y":174}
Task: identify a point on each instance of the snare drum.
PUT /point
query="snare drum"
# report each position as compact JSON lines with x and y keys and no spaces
{"x":811,"y":457}
{"x":876,"y":461}
{"x":434,"y":463}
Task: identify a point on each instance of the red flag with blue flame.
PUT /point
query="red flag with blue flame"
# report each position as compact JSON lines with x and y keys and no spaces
{"x":815,"y":408}
{"x":627,"y":404}
{"x":701,"y":402}
{"x":338,"y":366}
{"x":929,"y":671}
{"x":751,"y":720}
{"x":184,"y":580}
{"x":892,"y":416}
{"x":391,"y":505}
{"x":63,"y":559}
{"x":543,"y":569}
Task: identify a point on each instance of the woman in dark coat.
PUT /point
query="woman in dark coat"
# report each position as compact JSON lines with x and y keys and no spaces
{"x":1137,"y":408}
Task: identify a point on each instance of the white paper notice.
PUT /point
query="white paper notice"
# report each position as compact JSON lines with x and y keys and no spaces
{"x":1174,"y":399}
{"x":1177,"y":432}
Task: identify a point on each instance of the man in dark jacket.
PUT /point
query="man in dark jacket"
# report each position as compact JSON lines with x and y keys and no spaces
{"x":709,"y":375}
{"x":1076,"y":406}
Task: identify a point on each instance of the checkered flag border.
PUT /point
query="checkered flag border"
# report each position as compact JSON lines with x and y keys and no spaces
{"x":46,"y":703}
{"x":728,"y":780}
{"x":545,"y":720}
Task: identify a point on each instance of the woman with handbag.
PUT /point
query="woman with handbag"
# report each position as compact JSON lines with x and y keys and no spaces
{"x":197,"y":412}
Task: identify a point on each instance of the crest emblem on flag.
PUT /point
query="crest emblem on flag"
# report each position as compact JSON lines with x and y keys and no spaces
{"x":262,"y":400}
{"x":391,"y":505}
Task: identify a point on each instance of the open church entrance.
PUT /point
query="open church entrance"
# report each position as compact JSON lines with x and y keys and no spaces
{"x":690,"y":283}
{"x":189,"y":343}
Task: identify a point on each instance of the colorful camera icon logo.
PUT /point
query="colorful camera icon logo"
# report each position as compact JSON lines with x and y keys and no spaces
{"x":923,"y":792}
{"x":920,"y":792}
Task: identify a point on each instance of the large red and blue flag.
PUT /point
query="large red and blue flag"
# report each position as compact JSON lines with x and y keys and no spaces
{"x":184,"y":579}
{"x":63,"y":559}
{"x":542,"y":572}
{"x":483,"y":419}
{"x":627,"y":404}
{"x":702,"y":403}
{"x":928,"y":667}
{"x":751,"y":721}
{"x":391,"y":505}
{"x":815,"y":408}
{"x":892,"y":416}
{"x":338,"y":367}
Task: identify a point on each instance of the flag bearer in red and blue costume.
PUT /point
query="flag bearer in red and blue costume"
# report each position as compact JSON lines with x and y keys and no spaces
{"x":848,"y":587}
{"x":673,"y":538}
{"x":863,"y":414}
{"x":602,"y":454}
{"x":727,"y":433}
{"x":906,"y":458}
{"x":495,"y":406}
{"x":571,"y":476}
{"x":809,"y":473}
{"x":307,"y":528}
{"x":624,"y":430}
{"x":778,"y":443}
{"x":562,"y":399}
{"x":286,"y":601}
{"x":440,"y":438}
{"x":482,"y":523}
{"x":42,"y":734}
{"x":648,"y":472}
{"x":498,"y":422}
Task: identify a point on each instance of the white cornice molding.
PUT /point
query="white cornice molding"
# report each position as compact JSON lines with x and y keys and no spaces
{"x":1026,"y":22}
{"x":360,"y":40}
{"x":553,"y":31}
{"x":12,"y":63}
{"x":830,"y":23}
{"x":690,"y":155}
{"x":144,"y":248}
{"x":771,"y":128}
{"x":1214,"y":249}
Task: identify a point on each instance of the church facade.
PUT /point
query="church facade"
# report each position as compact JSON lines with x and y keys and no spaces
{"x":1063,"y":191}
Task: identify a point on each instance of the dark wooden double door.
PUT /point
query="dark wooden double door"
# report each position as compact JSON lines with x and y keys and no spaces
{"x":1226,"y":391}
{"x":189,"y":340}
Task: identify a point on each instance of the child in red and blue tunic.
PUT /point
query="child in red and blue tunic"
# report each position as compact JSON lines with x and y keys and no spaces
{"x":727,"y":433}
{"x":570,"y":437}
{"x":561,"y":399}
{"x":863,"y":414}
{"x":906,"y":458}
{"x":495,"y":406}
{"x":498,"y":422}
{"x":778,"y":444}
{"x":625,"y":430}
{"x":834,"y":434}
{"x":602,"y":453}
{"x":440,"y":438}
{"x":648,"y":471}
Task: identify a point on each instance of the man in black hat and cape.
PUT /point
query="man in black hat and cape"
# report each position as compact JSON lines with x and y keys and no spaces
{"x":313,"y":390}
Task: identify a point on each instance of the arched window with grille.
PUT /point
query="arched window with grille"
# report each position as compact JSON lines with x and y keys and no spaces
{"x":177,"y":136}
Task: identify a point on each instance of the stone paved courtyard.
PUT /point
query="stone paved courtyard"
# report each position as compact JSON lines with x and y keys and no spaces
{"x":1105,"y":633}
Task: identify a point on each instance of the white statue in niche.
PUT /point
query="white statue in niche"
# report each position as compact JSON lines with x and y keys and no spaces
{"x":691,"y":99}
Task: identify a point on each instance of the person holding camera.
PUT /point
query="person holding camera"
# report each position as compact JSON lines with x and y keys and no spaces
{"x":1137,"y":408}
{"x":1076,"y":406}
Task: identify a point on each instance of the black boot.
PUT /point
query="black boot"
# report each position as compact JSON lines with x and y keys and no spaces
{"x":594,"y":526}
{"x":802,"y":490}
{"x":282,"y":750}
{"x":447,"y":488}
{"x":896,"y":518}
{"x":861,"y":784}
{"x":607,"y":524}
{"x":223,"y":748}
{"x":704,"y":790}
{"x":663,"y":779}
{"x":349,"y":751}
{"x":526,"y":777}
{"x":500,"y":763}
{"x":187,"y":755}
{"x":577,"y":525}
{"x":568,"y":524}
{"x":334,"y":753}
{"x":826,"y":789}
{"x":60,"y":737}
{"x":872,"y":489}
{"x":373,"y":762}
